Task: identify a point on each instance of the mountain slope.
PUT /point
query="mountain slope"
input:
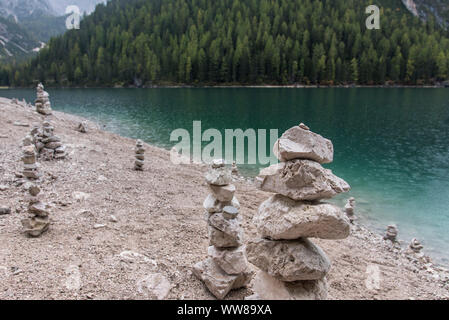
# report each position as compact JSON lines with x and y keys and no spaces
{"x":244,"y":42}
{"x":439,"y":9}
{"x":21,"y":10}
{"x":86,"y":6}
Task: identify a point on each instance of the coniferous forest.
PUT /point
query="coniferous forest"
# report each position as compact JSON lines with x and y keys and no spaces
{"x":147,"y":42}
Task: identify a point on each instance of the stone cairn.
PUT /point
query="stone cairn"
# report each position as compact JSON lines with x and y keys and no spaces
{"x":30,"y":165}
{"x":47,"y":144}
{"x":140,"y":156}
{"x":38,"y":221}
{"x":226,"y":268}
{"x":350,"y":209}
{"x":416,"y":246}
{"x":392,"y":233}
{"x":43,"y":105}
{"x":291,"y":266}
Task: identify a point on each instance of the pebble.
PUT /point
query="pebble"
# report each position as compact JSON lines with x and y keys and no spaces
{"x":99,"y":226}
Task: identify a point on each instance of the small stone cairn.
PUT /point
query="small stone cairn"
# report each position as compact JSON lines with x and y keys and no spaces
{"x":416,"y":246}
{"x":226,"y":268}
{"x":47,"y":144}
{"x":392,"y":233}
{"x":42,"y":103}
{"x":350,"y":209}
{"x":140,"y":156}
{"x":30,"y":165}
{"x":38,"y":221}
{"x":291,"y":266}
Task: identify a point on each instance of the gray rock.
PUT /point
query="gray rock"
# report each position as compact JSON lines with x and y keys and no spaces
{"x":219,"y":177}
{"x":35,"y":227}
{"x":221,"y":239}
{"x":289,"y":261}
{"x":300,"y":143}
{"x":213,"y":205}
{"x":217,"y":281}
{"x":230,"y":212}
{"x":39,"y":209}
{"x":232,"y":261}
{"x":282,"y":218}
{"x":267,"y":287}
{"x":223,"y":193}
{"x":154,"y":286}
{"x":232,"y":227}
{"x":5,"y":210}
{"x":301,"y":180}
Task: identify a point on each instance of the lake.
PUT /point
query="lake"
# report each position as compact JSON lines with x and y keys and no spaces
{"x":391,"y":145}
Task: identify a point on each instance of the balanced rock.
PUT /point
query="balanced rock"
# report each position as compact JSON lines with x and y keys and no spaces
{"x":289,"y":261}
{"x":392,"y":233}
{"x":301,"y":180}
{"x":350,"y":209}
{"x":217,"y":280}
{"x":221,"y":239}
{"x":301,"y":143}
{"x":219,"y":176}
{"x":416,"y":246}
{"x":270,"y":288}
{"x":139,"y":155}
{"x":42,"y":103}
{"x":38,"y":221}
{"x":213,"y":205}
{"x":223,"y":193}
{"x":231,"y":261}
{"x":282,"y":218}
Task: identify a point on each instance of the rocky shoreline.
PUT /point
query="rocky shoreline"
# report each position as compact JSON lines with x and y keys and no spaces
{"x":120,"y":233}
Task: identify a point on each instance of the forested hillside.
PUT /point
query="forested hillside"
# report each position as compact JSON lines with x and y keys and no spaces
{"x":241,"y":41}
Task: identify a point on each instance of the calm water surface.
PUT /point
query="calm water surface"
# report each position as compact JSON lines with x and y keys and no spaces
{"x":391,"y":145}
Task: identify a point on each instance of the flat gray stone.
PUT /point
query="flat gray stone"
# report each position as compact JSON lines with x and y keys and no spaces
{"x":219,"y":177}
{"x":300,"y":143}
{"x":223,"y":193}
{"x":294,"y":260}
{"x":280,"y":218}
{"x":232,"y":261}
{"x":221,"y":239}
{"x":213,"y":205}
{"x":301,"y":180}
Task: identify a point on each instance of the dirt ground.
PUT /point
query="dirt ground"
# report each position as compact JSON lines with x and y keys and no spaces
{"x":159,"y":215}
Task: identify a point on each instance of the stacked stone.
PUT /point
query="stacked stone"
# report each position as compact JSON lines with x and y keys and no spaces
{"x":226,"y":268}
{"x":38,"y":221}
{"x":350,"y":209}
{"x":30,"y":165}
{"x":43,"y":105}
{"x":140,"y":156}
{"x":416,"y":246}
{"x":47,"y":144}
{"x":392,"y":233}
{"x":291,"y":266}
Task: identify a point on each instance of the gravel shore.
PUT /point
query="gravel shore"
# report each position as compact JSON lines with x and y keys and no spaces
{"x":112,"y":226}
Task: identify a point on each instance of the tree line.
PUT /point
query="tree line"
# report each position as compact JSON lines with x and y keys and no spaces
{"x":240,"y":42}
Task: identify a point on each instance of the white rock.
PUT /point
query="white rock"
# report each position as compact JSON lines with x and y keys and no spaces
{"x":223,"y":193}
{"x":294,"y":260}
{"x":299,"y":143}
{"x":301,"y":180}
{"x":213,"y":205}
{"x":135,"y":257}
{"x":232,"y":261}
{"x":80,"y":196}
{"x":267,"y":287}
{"x":221,"y":239}
{"x":282,"y":218}
{"x":154,"y":286}
{"x":217,"y":281}
{"x":219,"y":177}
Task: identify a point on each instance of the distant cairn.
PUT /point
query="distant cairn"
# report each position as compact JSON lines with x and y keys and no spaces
{"x":392,"y":233}
{"x":350,"y":209}
{"x":416,"y":246}
{"x":139,"y":155}
{"x":226,"y":268}
{"x":38,"y":221}
{"x":291,"y":266}
{"x":42,"y":103}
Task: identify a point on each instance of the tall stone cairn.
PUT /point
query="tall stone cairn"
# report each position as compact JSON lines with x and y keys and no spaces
{"x":38,"y":221}
{"x":42,"y":103}
{"x":226,"y":267}
{"x":291,"y":266}
{"x":140,"y":156}
{"x":48,"y":145}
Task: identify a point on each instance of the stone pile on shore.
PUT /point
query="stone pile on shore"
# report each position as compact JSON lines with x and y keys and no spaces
{"x":392,"y":233}
{"x":38,"y":221}
{"x":47,"y":144}
{"x":226,"y":268}
{"x":30,"y":165}
{"x":291,"y":266}
{"x":350,"y":209}
{"x":42,"y":103}
{"x":140,"y":156}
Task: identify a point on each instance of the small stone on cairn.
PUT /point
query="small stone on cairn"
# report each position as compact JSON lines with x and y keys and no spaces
{"x":43,"y":105}
{"x":140,"y":156}
{"x":226,"y":268}
{"x":416,"y":246}
{"x":291,"y":266}
{"x":350,"y":209}
{"x":392,"y":233}
{"x":30,"y":165}
{"x":38,"y":221}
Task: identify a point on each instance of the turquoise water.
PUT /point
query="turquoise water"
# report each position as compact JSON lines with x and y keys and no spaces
{"x":391,"y":145}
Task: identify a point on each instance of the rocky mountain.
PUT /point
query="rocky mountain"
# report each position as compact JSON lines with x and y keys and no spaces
{"x":425,"y":8}
{"x":86,"y":6}
{"x":20,"y":10}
